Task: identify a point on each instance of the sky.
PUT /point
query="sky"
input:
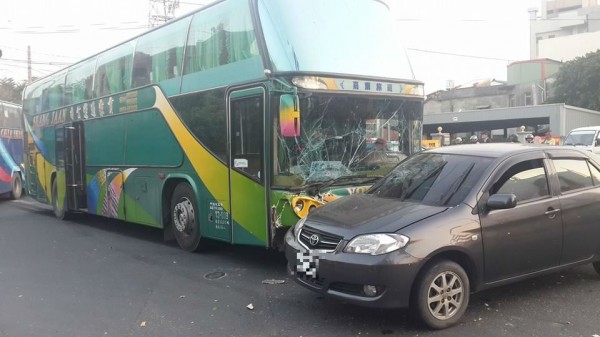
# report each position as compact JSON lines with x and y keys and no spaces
{"x":446,"y":40}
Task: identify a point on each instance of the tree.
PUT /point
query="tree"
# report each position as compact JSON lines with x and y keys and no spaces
{"x":11,"y":91}
{"x":577,"y":82}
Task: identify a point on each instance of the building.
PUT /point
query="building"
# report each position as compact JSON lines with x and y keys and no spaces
{"x":537,"y":119}
{"x":564,"y":29}
{"x":528,"y":83}
{"x":504,"y":107}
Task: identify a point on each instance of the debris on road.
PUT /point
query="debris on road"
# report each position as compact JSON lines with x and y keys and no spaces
{"x":250,"y":306}
{"x":272,"y":281}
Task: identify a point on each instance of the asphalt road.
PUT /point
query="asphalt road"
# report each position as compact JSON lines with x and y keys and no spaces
{"x":97,"y":277}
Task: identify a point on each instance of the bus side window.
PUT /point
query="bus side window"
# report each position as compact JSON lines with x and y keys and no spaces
{"x":141,"y":69}
{"x":247,"y":138}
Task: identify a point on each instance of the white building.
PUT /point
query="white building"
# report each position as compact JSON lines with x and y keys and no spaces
{"x":565,"y":29}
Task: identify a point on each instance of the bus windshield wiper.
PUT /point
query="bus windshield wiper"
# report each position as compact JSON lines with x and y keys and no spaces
{"x":354,"y":179}
{"x":316,"y":187}
{"x":346,"y":179}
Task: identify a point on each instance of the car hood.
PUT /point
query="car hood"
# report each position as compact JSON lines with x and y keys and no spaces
{"x":364,"y":213}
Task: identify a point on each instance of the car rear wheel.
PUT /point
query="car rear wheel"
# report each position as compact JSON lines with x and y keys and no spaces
{"x":597,"y":267}
{"x":442,"y":294}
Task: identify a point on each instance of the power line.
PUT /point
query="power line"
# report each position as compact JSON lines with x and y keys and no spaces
{"x":40,"y":53}
{"x":33,"y":62}
{"x":461,"y":55}
{"x":488,"y":20}
{"x":70,"y":29}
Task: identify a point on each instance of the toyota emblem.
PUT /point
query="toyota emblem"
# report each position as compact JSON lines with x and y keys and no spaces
{"x":314,"y":239}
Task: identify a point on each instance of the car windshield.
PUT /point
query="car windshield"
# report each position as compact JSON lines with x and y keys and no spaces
{"x":432,"y":178}
{"x":580,"y":138}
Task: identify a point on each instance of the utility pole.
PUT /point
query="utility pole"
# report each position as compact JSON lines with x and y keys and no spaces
{"x":28,"y":64}
{"x":161,"y":11}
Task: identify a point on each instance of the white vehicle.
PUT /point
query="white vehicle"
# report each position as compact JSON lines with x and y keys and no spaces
{"x":587,"y":137}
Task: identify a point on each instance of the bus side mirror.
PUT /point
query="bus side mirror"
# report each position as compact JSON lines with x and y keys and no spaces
{"x":289,"y":115}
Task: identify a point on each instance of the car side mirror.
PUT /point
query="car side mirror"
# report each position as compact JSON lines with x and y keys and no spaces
{"x":597,"y":141}
{"x":502,"y":201}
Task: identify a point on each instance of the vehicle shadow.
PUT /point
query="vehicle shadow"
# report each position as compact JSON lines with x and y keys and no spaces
{"x":492,"y":312}
{"x":258,"y":256}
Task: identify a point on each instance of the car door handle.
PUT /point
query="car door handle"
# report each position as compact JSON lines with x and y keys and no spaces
{"x":552,"y":213}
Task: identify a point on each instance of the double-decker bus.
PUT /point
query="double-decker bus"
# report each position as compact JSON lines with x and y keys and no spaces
{"x":11,"y":150}
{"x":229,"y":123}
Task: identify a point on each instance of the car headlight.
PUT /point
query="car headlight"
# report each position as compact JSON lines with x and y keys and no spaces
{"x":299,"y":226}
{"x":376,"y":244}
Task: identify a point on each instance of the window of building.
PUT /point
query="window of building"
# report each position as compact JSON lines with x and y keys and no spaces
{"x":528,"y":98}
{"x":512,"y":101}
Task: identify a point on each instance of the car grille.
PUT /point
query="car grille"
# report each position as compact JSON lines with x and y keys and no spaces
{"x":324,"y":241}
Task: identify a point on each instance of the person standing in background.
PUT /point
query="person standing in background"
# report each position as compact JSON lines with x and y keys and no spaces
{"x":548,"y":140}
{"x":485,"y":136}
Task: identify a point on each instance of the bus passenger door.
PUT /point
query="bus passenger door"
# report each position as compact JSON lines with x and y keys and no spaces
{"x":74,"y":156}
{"x":247,"y":167}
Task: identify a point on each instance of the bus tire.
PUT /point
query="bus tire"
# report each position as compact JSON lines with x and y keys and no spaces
{"x":59,"y":212}
{"x":17,"y":186}
{"x":185,"y":217}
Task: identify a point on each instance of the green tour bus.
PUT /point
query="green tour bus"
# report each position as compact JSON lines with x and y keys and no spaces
{"x":230,"y":123}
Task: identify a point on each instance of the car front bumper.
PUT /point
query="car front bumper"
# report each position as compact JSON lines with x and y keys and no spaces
{"x":345,"y":275}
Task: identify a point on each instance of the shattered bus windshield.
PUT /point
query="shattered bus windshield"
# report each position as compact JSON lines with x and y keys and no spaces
{"x":345,"y":136}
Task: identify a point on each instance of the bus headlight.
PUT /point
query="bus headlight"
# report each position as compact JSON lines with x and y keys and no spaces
{"x":309,"y":82}
{"x":376,"y":244}
{"x":299,"y":205}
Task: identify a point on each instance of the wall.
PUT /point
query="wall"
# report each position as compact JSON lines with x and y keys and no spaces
{"x":578,"y":117}
{"x":569,"y":47}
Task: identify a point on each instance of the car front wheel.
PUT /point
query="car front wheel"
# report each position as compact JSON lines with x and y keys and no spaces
{"x":442,"y":294}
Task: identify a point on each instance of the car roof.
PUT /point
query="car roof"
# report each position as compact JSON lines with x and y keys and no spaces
{"x":497,"y":150}
{"x":588,"y":128}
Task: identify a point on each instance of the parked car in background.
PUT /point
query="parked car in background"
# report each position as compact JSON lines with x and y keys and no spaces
{"x":450,"y":221}
{"x":587,"y":138}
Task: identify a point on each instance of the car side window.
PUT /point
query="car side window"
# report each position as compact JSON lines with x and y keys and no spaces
{"x":573,"y":174}
{"x":595,"y":174}
{"x":526,"y":180}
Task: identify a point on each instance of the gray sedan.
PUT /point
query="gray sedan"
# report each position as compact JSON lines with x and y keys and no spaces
{"x":450,"y":221}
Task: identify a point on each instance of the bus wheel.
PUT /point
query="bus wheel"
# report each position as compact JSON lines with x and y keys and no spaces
{"x":17,"y":187}
{"x":59,"y":212}
{"x":184,"y":217}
